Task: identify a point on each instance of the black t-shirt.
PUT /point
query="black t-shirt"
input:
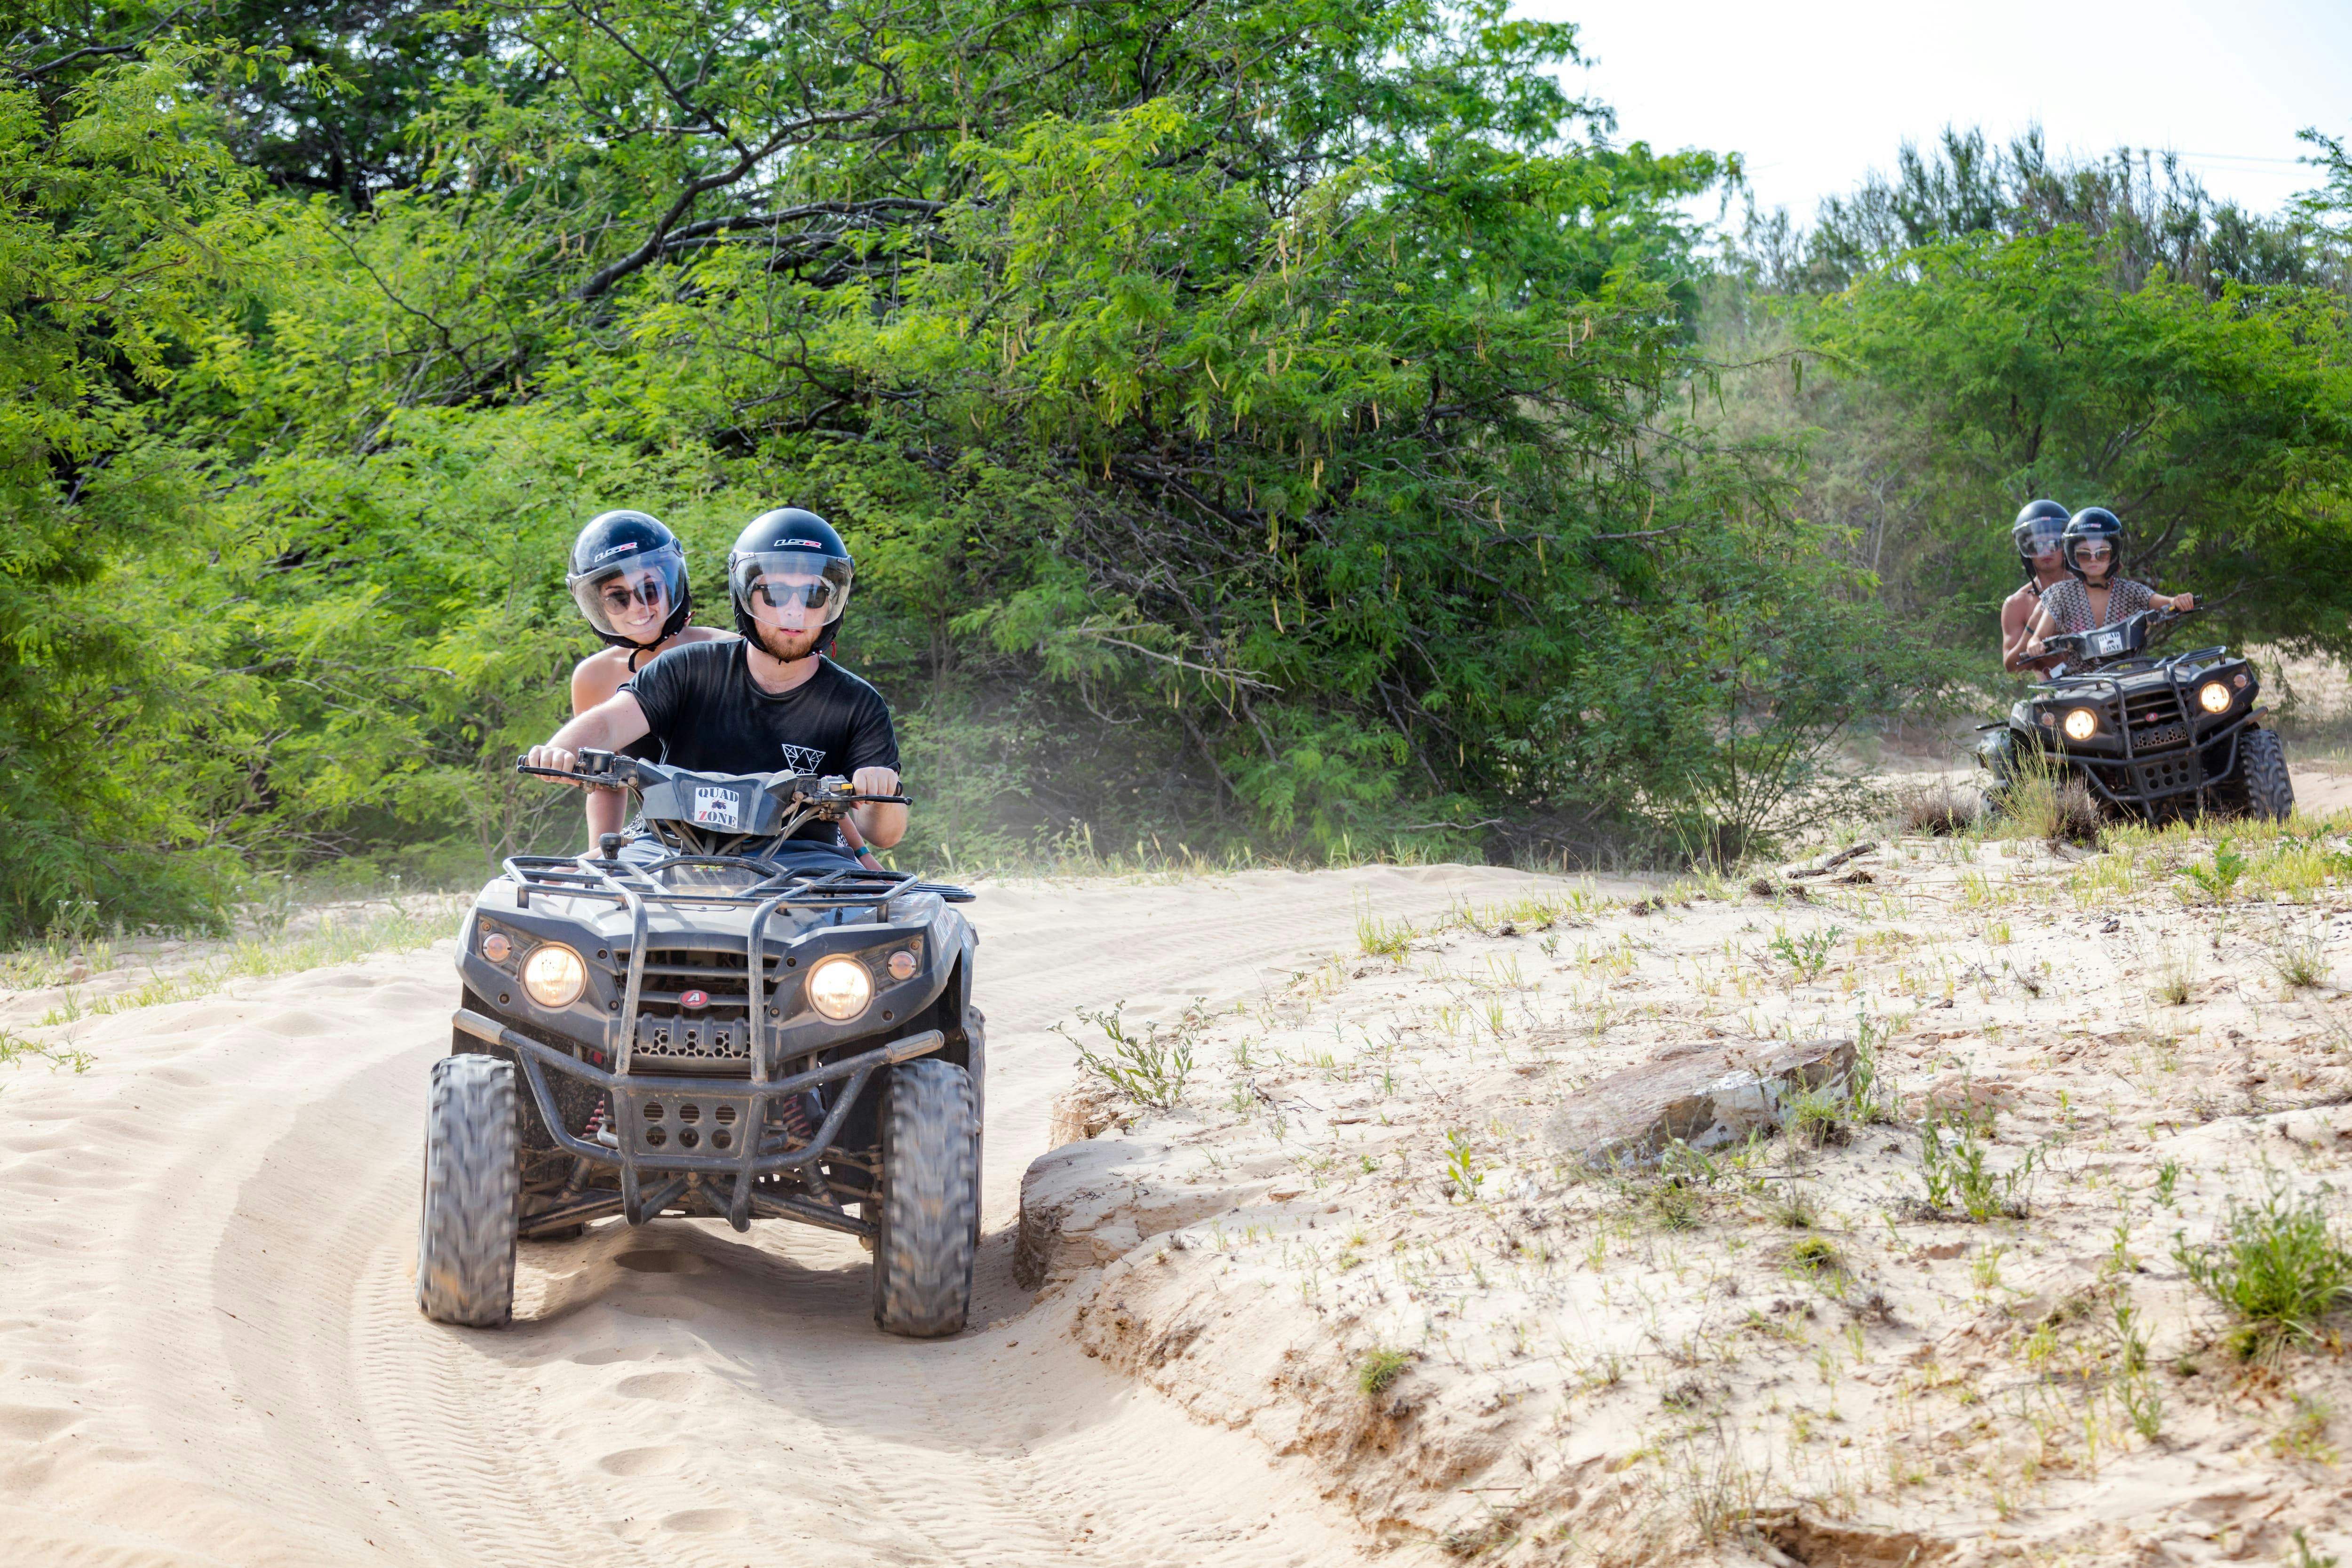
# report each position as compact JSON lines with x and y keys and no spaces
{"x":710,"y":716}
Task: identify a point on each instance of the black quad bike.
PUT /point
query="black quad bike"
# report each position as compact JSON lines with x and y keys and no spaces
{"x":2153,"y":737}
{"x":711,"y":1021}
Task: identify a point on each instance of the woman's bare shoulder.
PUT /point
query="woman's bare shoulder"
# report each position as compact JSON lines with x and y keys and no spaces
{"x":704,"y":634}
{"x":597,"y":676}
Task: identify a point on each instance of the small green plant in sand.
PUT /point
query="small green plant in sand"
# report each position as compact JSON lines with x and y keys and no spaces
{"x":2220,"y":878}
{"x":1149,"y":1066}
{"x":1674,"y":1204}
{"x":2176,"y":975}
{"x":1380,"y":1369}
{"x":1380,"y":939}
{"x":2143,"y":1402}
{"x":2306,"y":1556}
{"x":1810,"y":953}
{"x":16,"y":1049}
{"x":1794,"y":1209}
{"x":1816,"y":1117}
{"x":2277,"y":1266}
{"x":2305,"y":1436}
{"x":1817,"y":1258}
{"x":1462,"y":1166}
{"x":1958,"y":1174}
{"x":2297,"y":955}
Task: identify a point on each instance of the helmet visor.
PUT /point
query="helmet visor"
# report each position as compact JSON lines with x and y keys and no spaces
{"x":2042,"y":536}
{"x":791,"y":590}
{"x":633,"y":597}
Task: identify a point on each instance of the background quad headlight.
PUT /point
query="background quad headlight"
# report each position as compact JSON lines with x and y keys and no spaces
{"x":2081,"y":724}
{"x":554,"y":975}
{"x":2213,"y":697}
{"x":840,"y":988}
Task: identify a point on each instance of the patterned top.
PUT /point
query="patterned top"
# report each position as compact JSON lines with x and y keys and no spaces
{"x":2069,"y":604}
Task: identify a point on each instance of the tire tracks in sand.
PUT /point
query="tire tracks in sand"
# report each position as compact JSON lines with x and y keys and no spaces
{"x":209,"y":1350}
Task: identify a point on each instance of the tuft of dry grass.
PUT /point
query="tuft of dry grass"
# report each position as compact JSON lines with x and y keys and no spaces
{"x":1942,"y":810}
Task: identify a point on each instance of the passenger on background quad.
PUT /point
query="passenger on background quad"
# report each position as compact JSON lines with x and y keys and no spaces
{"x":2037,"y":532}
{"x":2095,"y":596}
{"x":628,"y":577}
{"x":771,"y":700}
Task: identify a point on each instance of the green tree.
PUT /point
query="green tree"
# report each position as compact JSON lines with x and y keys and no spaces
{"x":2219,"y":428}
{"x":122,"y":215}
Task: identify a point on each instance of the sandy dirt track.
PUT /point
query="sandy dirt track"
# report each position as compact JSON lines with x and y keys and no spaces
{"x":209,"y":1352}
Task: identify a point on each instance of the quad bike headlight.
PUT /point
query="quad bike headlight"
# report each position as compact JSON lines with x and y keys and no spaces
{"x":2213,"y":697}
{"x":554,"y":975}
{"x":2081,"y":724}
{"x":840,"y":988}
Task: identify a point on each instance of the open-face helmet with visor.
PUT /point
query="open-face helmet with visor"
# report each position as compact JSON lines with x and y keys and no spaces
{"x":2091,"y":529}
{"x":2040,"y":526}
{"x":628,"y":577}
{"x":788,"y":572}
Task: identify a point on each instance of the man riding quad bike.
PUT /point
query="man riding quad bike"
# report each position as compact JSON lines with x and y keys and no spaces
{"x":727,"y":1016}
{"x":2152,"y":738}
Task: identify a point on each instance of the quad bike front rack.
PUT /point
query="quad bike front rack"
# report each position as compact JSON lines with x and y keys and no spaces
{"x":738,"y":1108}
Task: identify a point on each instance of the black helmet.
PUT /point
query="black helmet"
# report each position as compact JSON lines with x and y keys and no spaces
{"x":2094,"y":524}
{"x":2037,"y":520}
{"x":787,"y":568}
{"x":625,"y":566}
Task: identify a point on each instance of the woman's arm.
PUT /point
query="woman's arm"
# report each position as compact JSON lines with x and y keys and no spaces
{"x":592,"y":686}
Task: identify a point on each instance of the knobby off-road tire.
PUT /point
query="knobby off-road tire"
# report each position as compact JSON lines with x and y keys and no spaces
{"x":2269,"y":791}
{"x":928,"y":1216}
{"x":473,"y":1185}
{"x":1997,"y":753}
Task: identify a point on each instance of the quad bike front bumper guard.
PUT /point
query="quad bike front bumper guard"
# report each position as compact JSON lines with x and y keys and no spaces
{"x":664,"y":1125}
{"x":2135,"y":760}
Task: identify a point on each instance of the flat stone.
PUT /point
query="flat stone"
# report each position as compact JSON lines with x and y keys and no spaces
{"x":1705,"y":1095}
{"x":1086,"y":1204}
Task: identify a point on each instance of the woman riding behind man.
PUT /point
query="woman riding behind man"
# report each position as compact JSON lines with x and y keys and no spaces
{"x":628,"y":577}
{"x":2093,"y":596}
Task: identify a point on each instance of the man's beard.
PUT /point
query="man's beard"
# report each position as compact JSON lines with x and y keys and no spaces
{"x":771,"y":635}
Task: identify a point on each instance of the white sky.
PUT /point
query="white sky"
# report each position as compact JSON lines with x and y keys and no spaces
{"x":1816,"y":92}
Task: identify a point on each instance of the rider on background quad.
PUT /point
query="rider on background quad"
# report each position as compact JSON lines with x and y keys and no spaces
{"x":628,"y":577}
{"x":2095,"y":596}
{"x":771,"y":701}
{"x":2037,"y":534}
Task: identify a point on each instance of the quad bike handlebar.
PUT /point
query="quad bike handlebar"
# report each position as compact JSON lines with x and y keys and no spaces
{"x":826,"y":797}
{"x":2120,"y":639}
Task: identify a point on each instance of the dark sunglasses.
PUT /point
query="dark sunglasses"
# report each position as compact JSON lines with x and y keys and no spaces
{"x":618,"y":597}
{"x":776,"y":595}
{"x":2092,"y":552}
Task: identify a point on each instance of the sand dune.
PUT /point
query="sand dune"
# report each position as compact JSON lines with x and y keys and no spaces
{"x":209,"y":1352}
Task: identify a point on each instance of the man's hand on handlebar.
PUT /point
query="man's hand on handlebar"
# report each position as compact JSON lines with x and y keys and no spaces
{"x":556,"y":759}
{"x":875,"y":781}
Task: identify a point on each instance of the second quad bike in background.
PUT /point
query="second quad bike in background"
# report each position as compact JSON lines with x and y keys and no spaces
{"x":712,"y":1022}
{"x":2152,"y":738}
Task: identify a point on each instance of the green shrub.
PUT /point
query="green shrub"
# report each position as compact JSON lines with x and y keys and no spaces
{"x":2277,"y":1267}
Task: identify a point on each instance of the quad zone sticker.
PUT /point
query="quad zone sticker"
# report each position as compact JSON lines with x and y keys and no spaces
{"x":717,"y":808}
